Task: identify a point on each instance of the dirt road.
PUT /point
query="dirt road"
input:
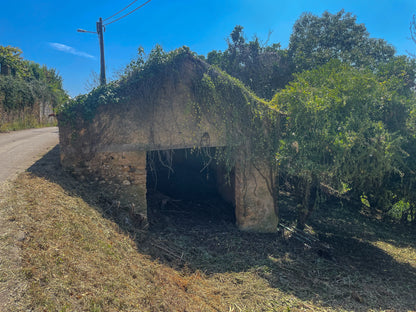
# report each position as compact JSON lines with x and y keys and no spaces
{"x":20,"y":149}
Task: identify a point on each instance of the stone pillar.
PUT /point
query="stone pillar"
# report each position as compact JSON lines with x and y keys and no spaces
{"x":254,"y":204}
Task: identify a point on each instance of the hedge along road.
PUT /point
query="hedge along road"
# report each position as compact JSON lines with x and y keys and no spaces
{"x":20,"y":149}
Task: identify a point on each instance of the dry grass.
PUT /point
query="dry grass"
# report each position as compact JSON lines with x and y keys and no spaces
{"x":76,"y":260}
{"x":28,"y":121}
{"x":78,"y":257}
{"x":12,"y":282}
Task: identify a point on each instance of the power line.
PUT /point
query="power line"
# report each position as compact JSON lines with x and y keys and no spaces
{"x":117,"y":19}
{"x":119,"y":11}
{"x":100,"y":31}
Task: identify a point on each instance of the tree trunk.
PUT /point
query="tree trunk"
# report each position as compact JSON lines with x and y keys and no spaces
{"x":308,"y":193}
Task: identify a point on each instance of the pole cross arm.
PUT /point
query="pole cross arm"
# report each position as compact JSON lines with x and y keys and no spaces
{"x":86,"y":31}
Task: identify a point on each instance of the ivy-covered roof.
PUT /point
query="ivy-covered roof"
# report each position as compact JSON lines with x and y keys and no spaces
{"x":209,"y":83}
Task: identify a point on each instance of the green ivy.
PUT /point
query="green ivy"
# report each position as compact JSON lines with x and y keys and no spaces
{"x":249,"y":121}
{"x":25,"y":83}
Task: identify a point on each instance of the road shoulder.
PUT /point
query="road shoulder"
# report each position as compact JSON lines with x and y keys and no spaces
{"x":12,"y":282}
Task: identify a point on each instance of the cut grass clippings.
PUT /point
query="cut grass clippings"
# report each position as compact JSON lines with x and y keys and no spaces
{"x":12,"y":281}
{"x":75,"y":257}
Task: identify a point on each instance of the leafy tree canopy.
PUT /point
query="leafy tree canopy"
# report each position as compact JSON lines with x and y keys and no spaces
{"x":11,"y":61}
{"x":24,"y":82}
{"x":347,"y":128}
{"x":263,"y":68}
{"x":316,"y":40}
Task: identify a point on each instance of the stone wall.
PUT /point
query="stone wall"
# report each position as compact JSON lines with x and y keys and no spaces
{"x":112,"y":147}
{"x":39,"y":112}
{"x":126,"y":172}
{"x":148,"y":121}
{"x":45,"y":110}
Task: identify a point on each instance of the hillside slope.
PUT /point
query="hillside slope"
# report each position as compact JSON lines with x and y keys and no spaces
{"x":79,"y":256}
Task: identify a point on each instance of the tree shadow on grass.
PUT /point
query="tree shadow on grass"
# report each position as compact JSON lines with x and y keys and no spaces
{"x":359,"y":276}
{"x":369,"y":228}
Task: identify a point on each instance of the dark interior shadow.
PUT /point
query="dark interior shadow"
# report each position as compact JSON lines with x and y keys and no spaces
{"x":358,"y":276}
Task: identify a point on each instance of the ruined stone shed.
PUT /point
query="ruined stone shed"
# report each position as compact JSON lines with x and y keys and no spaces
{"x":175,"y":103}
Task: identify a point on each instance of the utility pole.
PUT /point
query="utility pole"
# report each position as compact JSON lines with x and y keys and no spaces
{"x":100,"y":31}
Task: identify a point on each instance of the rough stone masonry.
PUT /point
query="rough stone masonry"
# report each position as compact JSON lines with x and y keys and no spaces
{"x":156,"y":114}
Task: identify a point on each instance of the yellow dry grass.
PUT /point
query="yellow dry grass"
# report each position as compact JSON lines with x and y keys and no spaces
{"x":74,"y":258}
{"x":401,"y":254}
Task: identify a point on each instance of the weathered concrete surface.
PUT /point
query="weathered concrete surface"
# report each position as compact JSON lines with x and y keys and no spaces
{"x":157,"y":118}
{"x":20,"y":149}
{"x":255,"y":206}
{"x":154,"y":118}
{"x":160,"y":113}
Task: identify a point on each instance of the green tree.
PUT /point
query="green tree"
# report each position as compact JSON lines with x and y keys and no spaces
{"x":24,"y":83}
{"x":338,"y":133}
{"x":261,"y":67}
{"x":316,"y":40}
{"x":11,"y":61}
{"x":15,"y":94}
{"x":400,"y":117}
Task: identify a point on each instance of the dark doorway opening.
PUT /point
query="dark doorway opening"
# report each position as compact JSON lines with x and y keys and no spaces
{"x":187,"y":187}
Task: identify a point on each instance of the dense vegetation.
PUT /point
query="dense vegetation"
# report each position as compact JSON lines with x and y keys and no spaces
{"x":350,"y":105}
{"x":347,"y":111}
{"x":24,"y":85}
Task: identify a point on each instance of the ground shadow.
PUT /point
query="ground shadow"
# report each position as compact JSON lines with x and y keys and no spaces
{"x":358,"y":275}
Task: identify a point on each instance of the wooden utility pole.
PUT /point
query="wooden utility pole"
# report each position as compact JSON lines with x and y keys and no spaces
{"x":100,"y":31}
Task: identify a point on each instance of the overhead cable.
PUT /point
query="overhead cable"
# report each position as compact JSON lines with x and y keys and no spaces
{"x":117,"y":19}
{"x":120,"y":11}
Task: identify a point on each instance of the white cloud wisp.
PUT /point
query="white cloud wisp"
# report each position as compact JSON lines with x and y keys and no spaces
{"x":70,"y":50}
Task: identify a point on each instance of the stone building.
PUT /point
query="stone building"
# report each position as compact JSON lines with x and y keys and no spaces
{"x":169,"y":112}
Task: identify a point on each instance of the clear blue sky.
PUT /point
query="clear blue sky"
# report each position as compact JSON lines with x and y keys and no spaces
{"x":46,"y":30}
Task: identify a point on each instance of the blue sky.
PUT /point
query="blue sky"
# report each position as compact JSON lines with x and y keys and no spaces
{"x":46,"y":30}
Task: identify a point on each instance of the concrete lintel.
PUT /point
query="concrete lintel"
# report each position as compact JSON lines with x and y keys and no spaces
{"x":119,"y":148}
